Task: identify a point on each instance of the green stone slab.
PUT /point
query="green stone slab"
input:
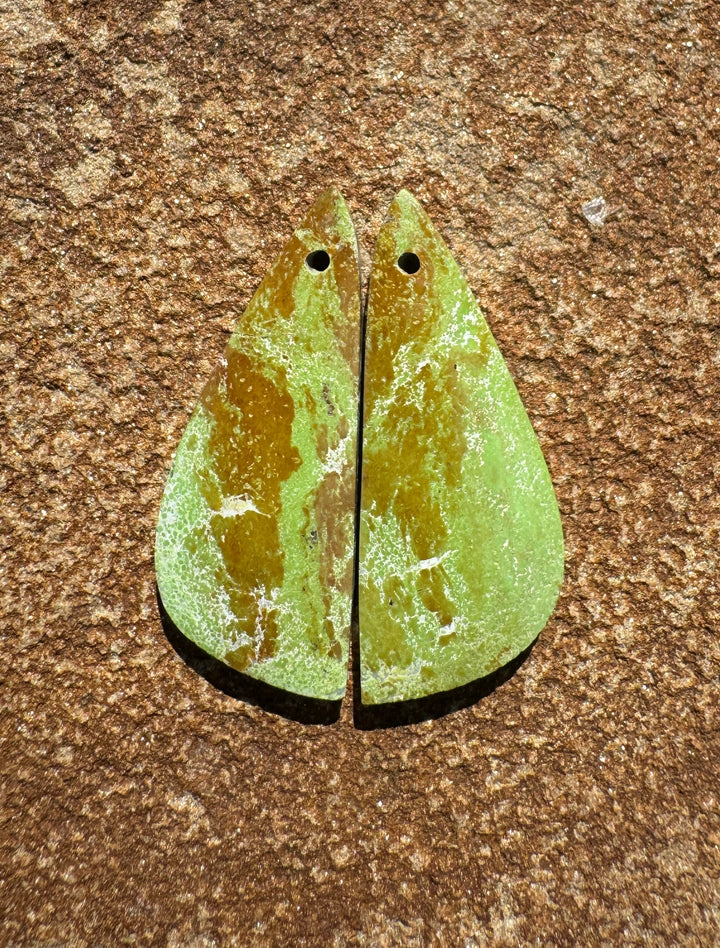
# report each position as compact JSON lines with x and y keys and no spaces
{"x":461,"y":546}
{"x":255,"y":539}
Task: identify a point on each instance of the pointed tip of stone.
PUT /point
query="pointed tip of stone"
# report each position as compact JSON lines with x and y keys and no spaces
{"x":405,"y":204}
{"x":333,"y":191}
{"x":332,"y":197}
{"x":405,"y":222}
{"x":329,"y":201}
{"x":405,"y":197}
{"x":330,"y":216}
{"x":406,"y":211}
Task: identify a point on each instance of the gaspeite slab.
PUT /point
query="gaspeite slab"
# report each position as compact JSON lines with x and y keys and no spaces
{"x":461,"y":547}
{"x":255,"y":538}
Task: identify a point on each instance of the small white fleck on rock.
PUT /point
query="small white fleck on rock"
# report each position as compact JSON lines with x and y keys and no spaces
{"x":596,"y":211}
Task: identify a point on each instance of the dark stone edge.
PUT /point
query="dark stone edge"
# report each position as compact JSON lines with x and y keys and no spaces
{"x":242,"y":687}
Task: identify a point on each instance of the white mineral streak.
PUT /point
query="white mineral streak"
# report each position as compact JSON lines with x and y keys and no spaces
{"x":264,"y":606}
{"x":338,"y":457}
{"x":237,"y":505}
{"x":431,"y":562}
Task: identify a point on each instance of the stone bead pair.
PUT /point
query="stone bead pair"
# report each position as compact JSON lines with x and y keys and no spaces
{"x":452,"y":529}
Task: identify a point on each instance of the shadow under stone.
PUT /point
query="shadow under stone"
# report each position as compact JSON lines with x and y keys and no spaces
{"x":369,"y":717}
{"x":244,"y":688}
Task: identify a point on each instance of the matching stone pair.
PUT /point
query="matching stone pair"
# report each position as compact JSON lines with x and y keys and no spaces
{"x":452,"y":528}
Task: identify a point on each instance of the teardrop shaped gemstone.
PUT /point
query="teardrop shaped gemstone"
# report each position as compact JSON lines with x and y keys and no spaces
{"x":255,"y":539}
{"x":461,"y":547}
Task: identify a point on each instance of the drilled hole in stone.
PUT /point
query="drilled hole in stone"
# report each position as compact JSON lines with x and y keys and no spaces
{"x":409,"y":262}
{"x":318,"y":260}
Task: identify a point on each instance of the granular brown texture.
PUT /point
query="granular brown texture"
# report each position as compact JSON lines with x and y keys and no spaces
{"x":155,"y":157}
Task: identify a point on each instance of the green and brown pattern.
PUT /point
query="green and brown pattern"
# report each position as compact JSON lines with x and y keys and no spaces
{"x":254,"y":547}
{"x":461,"y":548}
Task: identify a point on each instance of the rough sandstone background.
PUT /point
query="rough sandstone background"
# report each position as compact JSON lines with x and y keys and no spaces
{"x":154,"y":158}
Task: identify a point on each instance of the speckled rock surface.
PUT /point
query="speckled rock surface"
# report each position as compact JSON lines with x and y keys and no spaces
{"x":155,"y":158}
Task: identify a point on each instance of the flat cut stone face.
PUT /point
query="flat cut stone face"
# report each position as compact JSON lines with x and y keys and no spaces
{"x":254,"y":547}
{"x":461,"y":547}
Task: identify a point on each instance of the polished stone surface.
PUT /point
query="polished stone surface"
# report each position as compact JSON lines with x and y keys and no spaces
{"x":461,"y":548}
{"x":255,"y":541}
